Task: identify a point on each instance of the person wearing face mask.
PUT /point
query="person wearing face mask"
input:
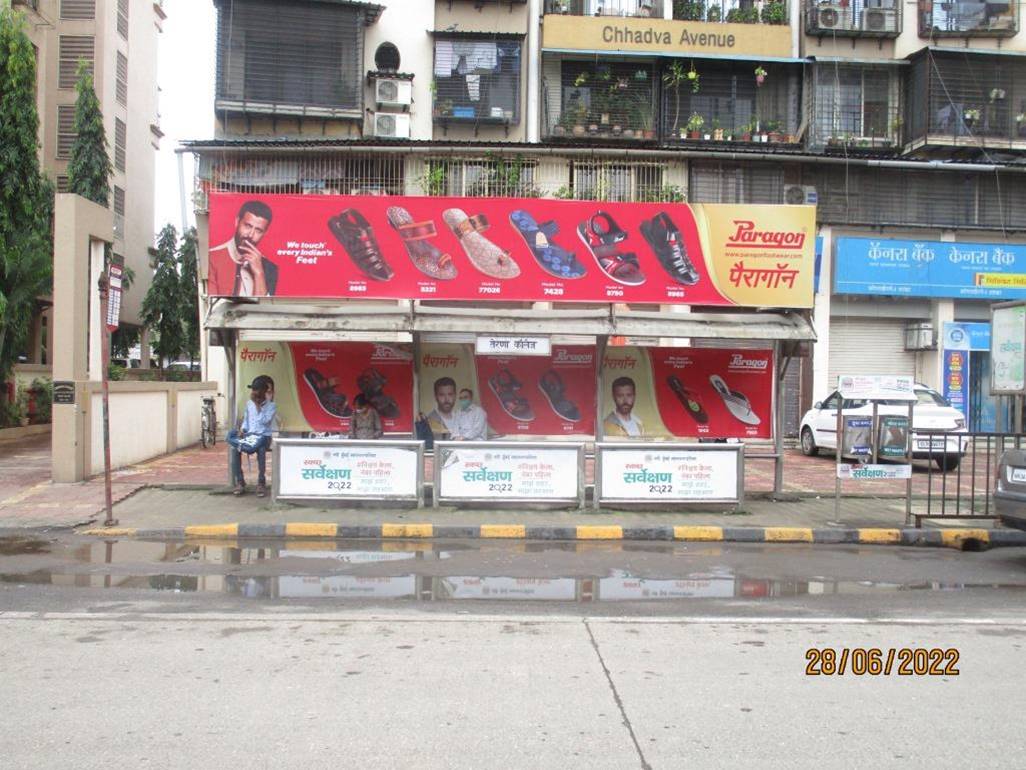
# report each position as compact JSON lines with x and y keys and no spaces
{"x":471,"y":420}
{"x":365,"y":422}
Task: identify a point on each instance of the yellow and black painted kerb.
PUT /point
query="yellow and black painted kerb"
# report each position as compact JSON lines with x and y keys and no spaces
{"x":963,"y":539}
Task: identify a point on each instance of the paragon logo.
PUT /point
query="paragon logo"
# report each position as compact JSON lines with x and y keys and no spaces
{"x":738,"y":361}
{"x":748,"y":237}
{"x":388,"y":353}
{"x":564,"y":357}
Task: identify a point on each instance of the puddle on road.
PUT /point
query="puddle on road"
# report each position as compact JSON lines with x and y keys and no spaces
{"x":305,"y":571}
{"x":16,"y":545}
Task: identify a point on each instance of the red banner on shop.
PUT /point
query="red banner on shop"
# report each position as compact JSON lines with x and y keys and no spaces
{"x":330,"y":246}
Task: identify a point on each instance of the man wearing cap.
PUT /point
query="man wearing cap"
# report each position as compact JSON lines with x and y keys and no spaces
{"x":254,"y":435}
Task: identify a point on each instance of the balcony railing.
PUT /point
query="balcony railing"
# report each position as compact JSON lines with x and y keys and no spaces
{"x":857,"y":18}
{"x":644,"y":9}
{"x":854,"y":107}
{"x":609,"y":102}
{"x":732,"y":11}
{"x":972,"y":19}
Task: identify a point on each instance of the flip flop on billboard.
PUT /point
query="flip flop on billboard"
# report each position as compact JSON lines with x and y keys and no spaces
{"x":505,"y":386}
{"x":425,"y":256}
{"x":687,"y":400}
{"x":551,"y":385}
{"x":601,"y":234}
{"x":355,"y":234}
{"x":482,"y":253}
{"x":553,"y":258}
{"x":664,"y":238}
{"x":737,"y":403}
{"x":323,"y":389}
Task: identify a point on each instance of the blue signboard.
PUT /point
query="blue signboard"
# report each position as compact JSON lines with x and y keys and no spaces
{"x":992,"y":271}
{"x":966,"y":335}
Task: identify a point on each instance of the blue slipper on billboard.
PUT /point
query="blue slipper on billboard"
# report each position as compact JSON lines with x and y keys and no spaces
{"x":553,"y":258}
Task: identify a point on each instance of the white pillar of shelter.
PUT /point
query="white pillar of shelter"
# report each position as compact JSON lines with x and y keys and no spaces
{"x":534,"y":70}
{"x":81,"y":228}
{"x":821,"y":318}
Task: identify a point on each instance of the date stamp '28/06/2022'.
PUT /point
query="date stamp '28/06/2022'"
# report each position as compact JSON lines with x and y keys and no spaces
{"x":874,"y":661}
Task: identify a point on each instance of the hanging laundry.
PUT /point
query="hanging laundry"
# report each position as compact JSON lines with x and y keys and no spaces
{"x":444,"y":59}
{"x":482,"y":55}
{"x":474,"y":87}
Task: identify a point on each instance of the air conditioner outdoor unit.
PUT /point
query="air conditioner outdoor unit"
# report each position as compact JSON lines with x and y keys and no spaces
{"x":879,"y":4}
{"x":919,"y":336}
{"x":833,"y":17}
{"x":392,"y":126}
{"x":800,"y":194}
{"x":393,"y":92}
{"x":880,"y":20}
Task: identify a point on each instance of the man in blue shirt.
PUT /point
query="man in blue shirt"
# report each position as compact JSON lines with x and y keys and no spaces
{"x":254,"y":436}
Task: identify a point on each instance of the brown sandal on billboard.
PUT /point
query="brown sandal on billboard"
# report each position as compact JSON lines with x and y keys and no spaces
{"x":424,"y":254}
{"x":505,"y":386}
{"x":355,"y":234}
{"x":485,"y":255}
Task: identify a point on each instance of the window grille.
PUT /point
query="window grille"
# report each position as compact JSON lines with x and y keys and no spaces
{"x":627,"y":8}
{"x":476,"y":79}
{"x":65,"y":130}
{"x":603,"y":100}
{"x":71,"y":50}
{"x":713,"y":182}
{"x":275,"y":53}
{"x":120,"y":136}
{"x":123,"y":18}
{"x":121,"y":79}
{"x":940,"y":19}
{"x":618,"y":182}
{"x":63,"y":185}
{"x":856,"y":18}
{"x":119,"y":212}
{"x":489,"y":177}
{"x":73,"y":10}
{"x":855,"y":105}
{"x":732,"y":11}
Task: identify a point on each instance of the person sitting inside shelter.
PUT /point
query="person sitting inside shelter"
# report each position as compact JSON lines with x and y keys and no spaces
{"x":253,"y":436}
{"x":365,"y":422}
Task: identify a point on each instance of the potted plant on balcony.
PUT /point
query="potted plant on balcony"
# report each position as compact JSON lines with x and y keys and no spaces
{"x":672,"y":78}
{"x":688,"y":10}
{"x":971,"y":117}
{"x":717,"y":130}
{"x":760,"y":75}
{"x":773,"y":130}
{"x":1020,"y":123}
{"x":693,"y":78}
{"x":642,"y":118}
{"x":694,"y":126}
{"x":715,"y":14}
{"x":774,"y":12}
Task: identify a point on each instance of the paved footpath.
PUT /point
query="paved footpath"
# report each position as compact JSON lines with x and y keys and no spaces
{"x":187,"y":488}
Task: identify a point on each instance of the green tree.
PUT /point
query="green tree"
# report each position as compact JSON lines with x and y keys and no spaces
{"x":162,"y":306}
{"x":26,"y":196}
{"x":189,"y":294}
{"x":89,"y":166}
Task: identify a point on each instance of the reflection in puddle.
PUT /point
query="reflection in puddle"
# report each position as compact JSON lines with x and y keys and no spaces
{"x":312,"y":571}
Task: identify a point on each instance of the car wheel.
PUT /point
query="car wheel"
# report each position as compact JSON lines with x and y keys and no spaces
{"x":947,"y":462}
{"x":809,"y":448}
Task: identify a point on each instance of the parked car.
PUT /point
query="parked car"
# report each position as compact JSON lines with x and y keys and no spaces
{"x":931,"y":411}
{"x":1010,"y":488}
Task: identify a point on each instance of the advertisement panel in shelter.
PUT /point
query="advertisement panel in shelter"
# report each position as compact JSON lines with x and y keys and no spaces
{"x":474,"y":249}
{"x":314,"y":384}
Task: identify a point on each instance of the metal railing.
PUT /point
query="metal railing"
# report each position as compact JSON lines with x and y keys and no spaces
{"x":966,"y":490}
{"x":645,"y":9}
{"x":859,"y":18}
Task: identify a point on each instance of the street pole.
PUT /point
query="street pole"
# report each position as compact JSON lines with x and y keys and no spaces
{"x":109,"y":521}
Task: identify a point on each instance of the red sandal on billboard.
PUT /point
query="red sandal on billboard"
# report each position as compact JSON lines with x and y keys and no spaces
{"x":505,"y":386}
{"x":483,"y":254}
{"x":551,"y":385}
{"x":664,"y":238}
{"x":553,"y":258}
{"x":737,"y":403}
{"x":355,"y":234}
{"x":371,"y":383}
{"x":323,"y":389}
{"x":600,"y":234}
{"x":425,"y":255}
{"x":688,"y":400}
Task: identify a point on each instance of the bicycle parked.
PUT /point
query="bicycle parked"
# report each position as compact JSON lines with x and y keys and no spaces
{"x":208,"y":430}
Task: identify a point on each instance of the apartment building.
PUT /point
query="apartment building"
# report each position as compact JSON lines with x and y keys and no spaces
{"x":117,"y":39}
{"x":904,"y":124}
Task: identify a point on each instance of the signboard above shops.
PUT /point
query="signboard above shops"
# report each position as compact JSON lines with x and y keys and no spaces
{"x":514,"y":346}
{"x":991,"y":271}
{"x":508,"y":249}
{"x":662,"y":37}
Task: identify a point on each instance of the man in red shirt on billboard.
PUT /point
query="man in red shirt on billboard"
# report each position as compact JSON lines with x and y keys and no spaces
{"x":237,"y":267}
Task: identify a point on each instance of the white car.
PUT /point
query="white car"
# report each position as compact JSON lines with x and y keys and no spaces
{"x":930,"y":412}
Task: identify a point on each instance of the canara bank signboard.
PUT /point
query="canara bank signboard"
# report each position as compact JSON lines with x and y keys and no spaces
{"x":583,"y":33}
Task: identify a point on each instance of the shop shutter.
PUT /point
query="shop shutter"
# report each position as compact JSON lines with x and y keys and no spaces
{"x":121,"y":79}
{"x":120,"y":134}
{"x":65,"y":130}
{"x":78,"y":9}
{"x":71,"y":50}
{"x":867,"y":346}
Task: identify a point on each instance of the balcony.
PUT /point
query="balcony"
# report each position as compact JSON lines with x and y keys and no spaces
{"x":476,"y":79}
{"x":853,"y":18}
{"x":639,"y":9}
{"x":971,"y":101}
{"x":608,"y":102}
{"x":731,"y":11}
{"x":855,"y":108}
{"x":730,"y":102}
{"x":975,"y":19}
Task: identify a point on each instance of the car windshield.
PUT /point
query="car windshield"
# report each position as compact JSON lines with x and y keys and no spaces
{"x":923,"y":398}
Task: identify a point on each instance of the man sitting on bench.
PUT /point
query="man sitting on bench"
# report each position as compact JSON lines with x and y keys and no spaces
{"x":254,"y":437}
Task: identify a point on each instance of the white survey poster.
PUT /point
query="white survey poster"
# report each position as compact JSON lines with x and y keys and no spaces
{"x":652,"y":474}
{"x":508,"y":473}
{"x":336,"y":470}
